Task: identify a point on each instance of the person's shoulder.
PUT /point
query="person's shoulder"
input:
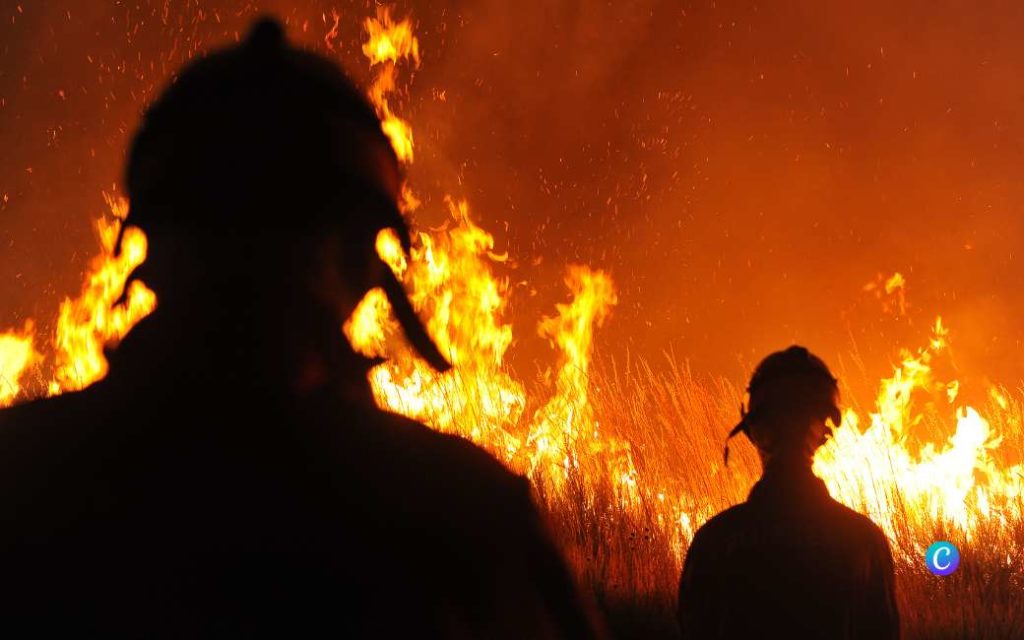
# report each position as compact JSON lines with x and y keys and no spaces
{"x":39,"y":436}
{"x":860,"y":528}
{"x":45,"y":421}
{"x":728,"y":518}
{"x":51,"y":453}
{"x":444,"y":461}
{"x":723,"y":524}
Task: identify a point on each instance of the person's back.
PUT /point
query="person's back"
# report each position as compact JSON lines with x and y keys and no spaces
{"x":790,"y":562}
{"x":187,"y":509}
{"x":232,"y":475}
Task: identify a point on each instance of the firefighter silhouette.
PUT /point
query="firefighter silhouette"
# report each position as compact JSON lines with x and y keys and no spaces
{"x":232,"y":475}
{"x":790,"y":562}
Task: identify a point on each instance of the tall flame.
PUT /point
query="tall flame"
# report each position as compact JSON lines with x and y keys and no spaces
{"x":451,"y":277}
{"x":388,"y":43}
{"x":564,"y":429}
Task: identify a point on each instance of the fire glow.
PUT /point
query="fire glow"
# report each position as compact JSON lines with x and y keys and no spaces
{"x":956,"y":481}
{"x":878,"y":462}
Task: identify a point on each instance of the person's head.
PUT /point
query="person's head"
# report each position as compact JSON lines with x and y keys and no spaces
{"x":261,"y":178}
{"x":793,"y":406}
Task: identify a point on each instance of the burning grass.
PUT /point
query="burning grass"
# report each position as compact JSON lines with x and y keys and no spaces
{"x":627,"y":459}
{"x":627,"y":546}
{"x":677,"y":422}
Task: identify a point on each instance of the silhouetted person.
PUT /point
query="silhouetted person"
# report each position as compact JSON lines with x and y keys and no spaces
{"x":790,"y":562}
{"x":232,"y":476}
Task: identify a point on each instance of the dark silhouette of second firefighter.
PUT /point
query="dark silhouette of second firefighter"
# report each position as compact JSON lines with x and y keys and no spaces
{"x":790,"y":562}
{"x":232,"y":476}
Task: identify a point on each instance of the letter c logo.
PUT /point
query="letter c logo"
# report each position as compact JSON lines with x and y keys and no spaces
{"x":942,"y":558}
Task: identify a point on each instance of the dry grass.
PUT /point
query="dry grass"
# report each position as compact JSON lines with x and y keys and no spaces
{"x":676,"y":424}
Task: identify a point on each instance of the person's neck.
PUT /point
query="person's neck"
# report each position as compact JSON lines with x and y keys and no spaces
{"x":788,"y":463}
{"x":284,"y":349}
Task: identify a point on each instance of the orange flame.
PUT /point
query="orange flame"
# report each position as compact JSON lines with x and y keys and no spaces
{"x":388,"y":43}
{"x":932,"y":462}
{"x":450,"y":273}
{"x":17,"y":353}
{"x":92,"y":321}
{"x":565,"y":429}
{"x":891,"y":291}
{"x":956,"y":482}
{"x":451,"y":283}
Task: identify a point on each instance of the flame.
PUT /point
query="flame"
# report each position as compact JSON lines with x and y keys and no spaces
{"x":17,"y":353}
{"x":906,"y":477}
{"x":891,"y":291}
{"x":452,"y":282}
{"x":388,"y":43}
{"x":565,"y":428}
{"x":92,"y":321}
{"x":894,"y":283}
{"x":919,"y":460}
{"x":85,"y":325}
{"x":957,"y":482}
{"x":453,"y":285}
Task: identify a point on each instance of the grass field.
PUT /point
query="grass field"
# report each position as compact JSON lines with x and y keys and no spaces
{"x":630,"y":560}
{"x":627,"y":547}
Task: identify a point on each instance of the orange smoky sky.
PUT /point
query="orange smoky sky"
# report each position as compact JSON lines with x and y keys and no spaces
{"x":742,"y":170}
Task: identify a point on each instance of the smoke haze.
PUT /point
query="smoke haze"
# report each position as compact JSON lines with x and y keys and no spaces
{"x":742,"y":170}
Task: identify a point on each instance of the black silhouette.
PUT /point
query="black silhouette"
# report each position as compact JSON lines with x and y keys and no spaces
{"x":232,"y":476}
{"x":790,"y":562}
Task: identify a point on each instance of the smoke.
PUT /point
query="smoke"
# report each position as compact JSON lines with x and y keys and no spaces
{"x":742,"y":170}
{"x":745,"y":170}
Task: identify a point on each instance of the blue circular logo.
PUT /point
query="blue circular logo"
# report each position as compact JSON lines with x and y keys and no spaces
{"x":942,"y":558}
